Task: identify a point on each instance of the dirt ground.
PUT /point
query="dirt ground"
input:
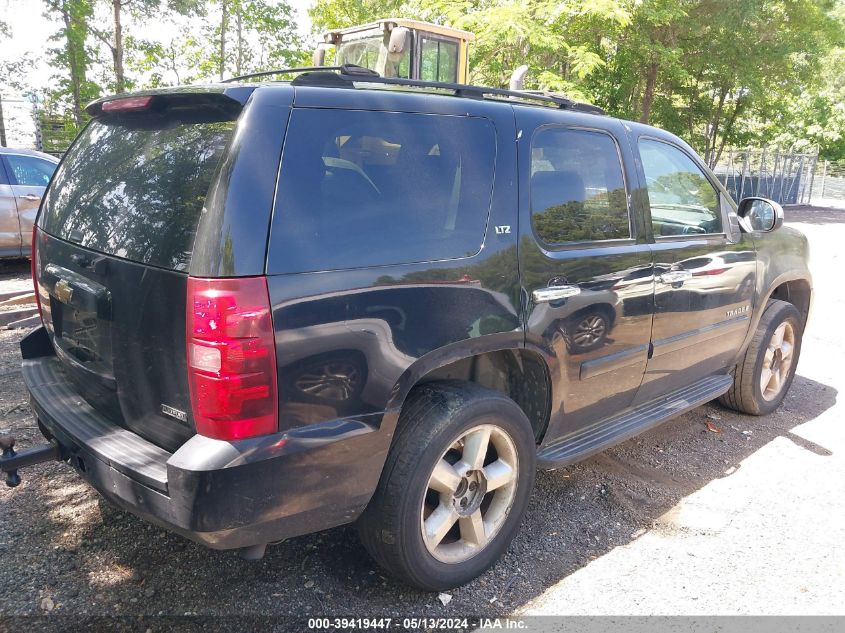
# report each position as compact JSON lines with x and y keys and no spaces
{"x":680,"y":520}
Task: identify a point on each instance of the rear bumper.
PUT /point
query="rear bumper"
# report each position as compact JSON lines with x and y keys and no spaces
{"x":222,"y":494}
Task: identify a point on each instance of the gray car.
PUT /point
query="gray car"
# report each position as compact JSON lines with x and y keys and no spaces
{"x":24,"y":174}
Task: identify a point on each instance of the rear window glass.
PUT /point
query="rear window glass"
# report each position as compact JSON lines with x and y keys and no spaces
{"x":376,"y":188}
{"x":577,"y":187}
{"x":136,"y":191}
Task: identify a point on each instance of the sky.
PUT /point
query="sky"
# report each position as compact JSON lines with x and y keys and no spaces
{"x":31,"y":32}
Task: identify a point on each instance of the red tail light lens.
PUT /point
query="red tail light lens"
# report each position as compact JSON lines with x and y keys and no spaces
{"x":231,"y":357}
{"x":127,"y":104}
{"x":35,"y":271}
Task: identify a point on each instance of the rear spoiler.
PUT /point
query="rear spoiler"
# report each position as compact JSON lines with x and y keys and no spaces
{"x":225,"y":100}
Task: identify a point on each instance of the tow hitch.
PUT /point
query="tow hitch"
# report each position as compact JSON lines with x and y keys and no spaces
{"x":11,"y":460}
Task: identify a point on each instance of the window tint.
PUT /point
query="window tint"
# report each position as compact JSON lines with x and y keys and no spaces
{"x":373,"y":188}
{"x":577,"y":187}
{"x":439,"y":60}
{"x":136,"y":191}
{"x":681,"y":198}
{"x":30,"y":170}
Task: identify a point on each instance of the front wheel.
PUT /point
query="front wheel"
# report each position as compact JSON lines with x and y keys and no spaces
{"x":765,"y":373}
{"x":454,"y":488}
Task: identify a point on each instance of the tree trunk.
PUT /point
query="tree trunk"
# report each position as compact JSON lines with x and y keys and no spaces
{"x":224,"y":22}
{"x":728,"y":128}
{"x":2,"y":125}
{"x":239,"y":61}
{"x":690,"y":112}
{"x":77,"y":74}
{"x":713,"y":131}
{"x":117,"y":47}
{"x":648,"y":96}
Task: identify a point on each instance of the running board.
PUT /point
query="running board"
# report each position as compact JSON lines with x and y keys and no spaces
{"x":594,"y":439}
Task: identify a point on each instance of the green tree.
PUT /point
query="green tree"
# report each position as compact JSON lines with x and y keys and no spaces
{"x":72,"y":58}
{"x":337,"y":14}
{"x":703,"y":68}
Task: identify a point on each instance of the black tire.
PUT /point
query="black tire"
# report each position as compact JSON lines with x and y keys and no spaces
{"x":746,"y":395}
{"x":433,"y":416}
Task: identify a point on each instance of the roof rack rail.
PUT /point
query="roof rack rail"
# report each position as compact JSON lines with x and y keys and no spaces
{"x":346,"y":69}
{"x":348,"y":74}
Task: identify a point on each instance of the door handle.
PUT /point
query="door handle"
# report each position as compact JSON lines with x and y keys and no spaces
{"x":675,"y":276}
{"x":30,"y":196}
{"x":553,"y":293}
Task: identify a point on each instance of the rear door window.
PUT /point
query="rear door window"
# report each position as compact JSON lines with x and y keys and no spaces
{"x":363,"y":188}
{"x":135,"y":188}
{"x":577,"y":187}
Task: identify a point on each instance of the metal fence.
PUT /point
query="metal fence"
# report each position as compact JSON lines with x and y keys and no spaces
{"x":829,"y":185}
{"x":786,"y":177}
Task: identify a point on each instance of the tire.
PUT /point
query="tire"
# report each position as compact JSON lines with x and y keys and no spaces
{"x":434,"y":427}
{"x":747,"y":394}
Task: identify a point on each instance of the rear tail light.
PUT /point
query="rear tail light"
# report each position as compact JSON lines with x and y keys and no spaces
{"x":35,"y":270}
{"x":231,"y":357}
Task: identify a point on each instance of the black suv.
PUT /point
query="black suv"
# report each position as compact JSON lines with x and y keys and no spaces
{"x":274,"y":308}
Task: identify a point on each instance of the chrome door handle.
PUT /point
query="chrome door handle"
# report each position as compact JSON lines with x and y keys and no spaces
{"x":553,"y":293}
{"x":675,"y":276}
{"x":30,"y":196}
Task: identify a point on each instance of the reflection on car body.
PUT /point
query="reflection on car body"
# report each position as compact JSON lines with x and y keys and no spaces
{"x":349,"y":349}
{"x":24,"y":175}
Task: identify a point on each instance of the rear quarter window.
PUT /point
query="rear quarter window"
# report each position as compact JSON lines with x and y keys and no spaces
{"x":361,"y":188}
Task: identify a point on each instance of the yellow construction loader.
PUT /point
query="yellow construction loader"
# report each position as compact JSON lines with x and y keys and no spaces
{"x":395,"y":47}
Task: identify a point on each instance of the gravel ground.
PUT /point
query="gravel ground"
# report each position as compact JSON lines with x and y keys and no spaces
{"x":588,"y":537}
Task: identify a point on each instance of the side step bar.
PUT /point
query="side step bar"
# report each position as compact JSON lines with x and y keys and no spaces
{"x":597,"y":437}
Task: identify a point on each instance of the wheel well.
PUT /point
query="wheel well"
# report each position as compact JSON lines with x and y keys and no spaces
{"x":521,"y":375}
{"x":796,"y":292}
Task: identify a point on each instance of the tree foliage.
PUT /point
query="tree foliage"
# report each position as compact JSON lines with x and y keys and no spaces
{"x":719,"y":73}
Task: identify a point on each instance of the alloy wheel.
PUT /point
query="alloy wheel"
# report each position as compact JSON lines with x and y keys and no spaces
{"x":777,"y":361}
{"x":469,"y":494}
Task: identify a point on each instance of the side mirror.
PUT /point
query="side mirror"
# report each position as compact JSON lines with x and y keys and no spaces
{"x":759,"y":215}
{"x":398,"y":40}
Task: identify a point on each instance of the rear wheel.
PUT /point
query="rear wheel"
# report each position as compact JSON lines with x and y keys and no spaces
{"x":454,"y":488}
{"x":765,"y":373}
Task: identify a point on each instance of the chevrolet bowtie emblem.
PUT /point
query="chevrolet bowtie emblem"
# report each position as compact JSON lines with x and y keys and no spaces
{"x":63,"y":291}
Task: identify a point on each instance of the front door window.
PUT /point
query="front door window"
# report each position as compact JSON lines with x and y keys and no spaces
{"x":681,"y":198}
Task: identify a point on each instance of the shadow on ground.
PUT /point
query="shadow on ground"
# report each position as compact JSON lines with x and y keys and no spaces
{"x":117,"y":564}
